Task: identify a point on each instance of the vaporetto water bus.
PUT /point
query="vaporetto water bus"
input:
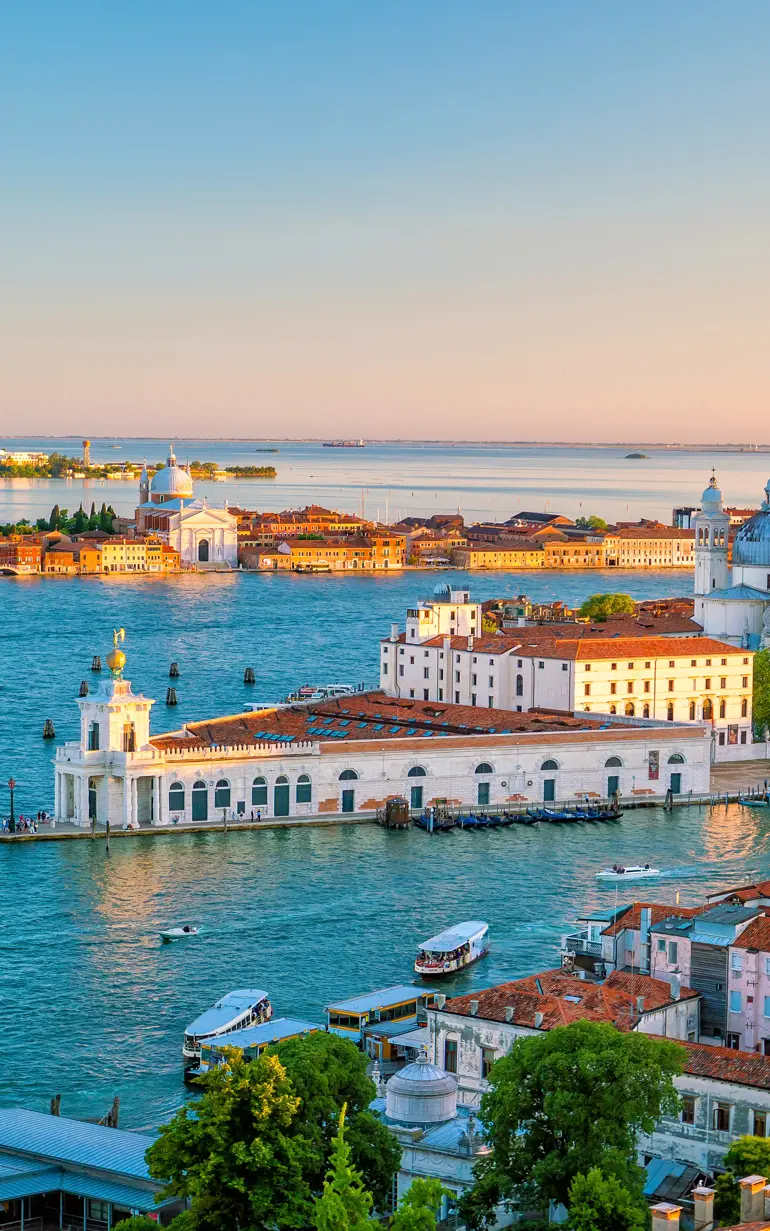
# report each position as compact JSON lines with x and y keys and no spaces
{"x":252,"y":1041}
{"x":453,"y":949}
{"x":236,"y":1011}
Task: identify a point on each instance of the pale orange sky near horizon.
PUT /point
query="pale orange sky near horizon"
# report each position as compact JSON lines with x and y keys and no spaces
{"x":533,"y":226}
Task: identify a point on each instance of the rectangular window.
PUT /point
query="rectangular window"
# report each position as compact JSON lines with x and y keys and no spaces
{"x":457,"y":698}
{"x":630,"y":686}
{"x":586,"y":690}
{"x":586,"y":668}
{"x":450,"y":1055}
{"x":565,"y":666}
{"x":457,"y":677}
{"x":426,"y":694}
{"x":736,"y":961}
{"x":540,"y":666}
{"x":384,"y":668}
{"x":661,"y":945}
{"x":723,"y":681}
{"x":613,"y":666}
{"x":707,"y":682}
{"x":473,"y":698}
{"x":487,"y":1060}
{"x":519,"y":663}
{"x":766,"y":1010}
{"x":646,"y":685}
{"x":613,"y":687}
{"x":411,"y":692}
{"x":744,"y":681}
{"x":491,"y":681}
{"x":670,"y":685}
{"x":723,"y":661}
{"x":400,"y":668}
{"x":759,"y":1123}
{"x":491,"y":703}
{"x":673,"y":952}
{"x":473,"y":679}
{"x":687,"y":1114}
{"x":736,"y":1001}
{"x":426,"y":673}
{"x":721,"y":1117}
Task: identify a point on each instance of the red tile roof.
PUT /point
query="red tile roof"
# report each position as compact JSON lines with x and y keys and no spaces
{"x":744,"y":893}
{"x":369,"y":716}
{"x":631,"y":919}
{"x":562,"y":998}
{"x":755,"y":936}
{"x":547,"y":641}
{"x":723,"y":1064}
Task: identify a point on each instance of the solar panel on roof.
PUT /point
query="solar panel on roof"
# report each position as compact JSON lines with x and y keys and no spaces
{"x":363,"y":724}
{"x":412,"y":731}
{"x":378,"y":726}
{"x":394,"y":730}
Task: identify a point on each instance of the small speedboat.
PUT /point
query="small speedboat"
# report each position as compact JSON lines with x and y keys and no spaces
{"x":630,"y":872}
{"x":755,"y":801}
{"x":180,"y":933}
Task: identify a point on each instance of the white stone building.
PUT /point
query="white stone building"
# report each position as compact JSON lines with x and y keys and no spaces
{"x":442,"y":657}
{"x":205,"y":537}
{"x":733,"y":605}
{"x":350,"y":754}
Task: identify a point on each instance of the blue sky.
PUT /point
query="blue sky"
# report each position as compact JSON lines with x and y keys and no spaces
{"x":526,"y":220}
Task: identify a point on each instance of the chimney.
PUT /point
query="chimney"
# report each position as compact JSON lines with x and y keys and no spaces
{"x":447,"y":644}
{"x":394,"y":632}
{"x":645,"y":919}
{"x":509,"y":1012}
{"x":752,"y":1197}
{"x":521,"y":621}
{"x":665,"y":1216}
{"x":440,"y":1000}
{"x":676,"y":987}
{"x":474,"y":1008}
{"x":470,"y":641}
{"x":538,"y":1021}
{"x":703,"y":1214}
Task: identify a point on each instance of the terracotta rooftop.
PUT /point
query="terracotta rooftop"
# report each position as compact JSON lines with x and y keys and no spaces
{"x":723,"y":1064}
{"x":541,"y":640}
{"x":755,"y":936}
{"x":562,"y":998}
{"x":370,"y":716}
{"x":743,"y":893}
{"x":631,"y":918}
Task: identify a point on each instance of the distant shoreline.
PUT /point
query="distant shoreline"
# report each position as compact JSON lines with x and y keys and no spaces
{"x":667,"y":446}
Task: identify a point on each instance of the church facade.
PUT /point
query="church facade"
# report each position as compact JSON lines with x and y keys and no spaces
{"x":205,"y":537}
{"x":732,"y":604}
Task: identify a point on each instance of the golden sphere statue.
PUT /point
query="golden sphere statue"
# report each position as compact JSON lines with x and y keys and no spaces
{"x":116,"y":661}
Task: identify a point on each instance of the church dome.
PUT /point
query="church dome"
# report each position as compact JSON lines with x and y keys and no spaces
{"x":751,"y":545}
{"x":711,"y":500}
{"x":421,"y":1093}
{"x":171,"y":482}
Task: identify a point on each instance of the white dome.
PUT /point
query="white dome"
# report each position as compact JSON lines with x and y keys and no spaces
{"x":171,"y":482}
{"x":751,"y":545}
{"x":421,"y":1093}
{"x":711,"y":500}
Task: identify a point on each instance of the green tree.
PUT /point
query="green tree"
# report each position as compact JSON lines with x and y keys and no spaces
{"x":105,"y":520}
{"x":601,"y":606}
{"x":327,"y":1072}
{"x":139,"y":1222}
{"x":591,"y":523}
{"x":79,"y":521}
{"x":761,"y":703}
{"x":344,"y":1204}
{"x":746,"y":1156}
{"x":564,"y":1102}
{"x":420,"y":1206}
{"x":599,"y":1202}
{"x":488,"y":624}
{"x":93,"y":518}
{"x":237,"y":1151}
{"x":55,"y":518}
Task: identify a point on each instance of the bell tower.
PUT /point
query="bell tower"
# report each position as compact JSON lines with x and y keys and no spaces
{"x":711,"y":542}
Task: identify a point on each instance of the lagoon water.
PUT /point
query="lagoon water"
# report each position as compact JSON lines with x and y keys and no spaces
{"x":91,"y":1003}
{"x":94,"y":1005}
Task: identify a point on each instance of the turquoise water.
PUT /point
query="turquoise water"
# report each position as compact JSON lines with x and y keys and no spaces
{"x":93,"y":1005}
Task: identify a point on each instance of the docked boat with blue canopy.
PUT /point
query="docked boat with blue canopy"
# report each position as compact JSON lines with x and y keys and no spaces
{"x":237,"y":1010}
{"x":453,"y":949}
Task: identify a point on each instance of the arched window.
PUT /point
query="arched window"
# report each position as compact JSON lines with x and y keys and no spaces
{"x":692,"y":711}
{"x":676,"y":758}
{"x":519,"y":685}
{"x":722,"y":708}
{"x":708,"y":709}
{"x":259,"y":792}
{"x":613,"y":763}
{"x":222,"y":794}
{"x":613,"y":709}
{"x":304,"y":789}
{"x":93,"y":737}
{"x":484,"y":768}
{"x":646,"y":710}
{"x":630,"y":711}
{"x":416,"y":772}
{"x":176,"y":797}
{"x":745,"y":707}
{"x":129,"y":737}
{"x":670,"y":712}
{"x":549,"y":765}
{"x":347,"y":775}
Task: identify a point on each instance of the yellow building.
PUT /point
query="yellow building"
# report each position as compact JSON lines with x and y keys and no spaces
{"x":353,"y":552}
{"x":658,"y":547}
{"x":525,"y":554}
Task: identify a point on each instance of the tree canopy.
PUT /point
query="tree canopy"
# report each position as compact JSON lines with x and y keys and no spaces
{"x":237,"y":1151}
{"x":344,"y":1204}
{"x":565,"y":1102}
{"x":327,"y":1072}
{"x":591,"y":523}
{"x":746,"y":1156}
{"x":761,"y":703}
{"x":419,"y":1207}
{"x":601,"y":606}
{"x":599,"y":1202}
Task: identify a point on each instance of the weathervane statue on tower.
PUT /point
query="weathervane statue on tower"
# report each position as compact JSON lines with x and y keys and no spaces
{"x":116,"y":659}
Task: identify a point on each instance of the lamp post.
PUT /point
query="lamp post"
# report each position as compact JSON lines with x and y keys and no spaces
{"x":12,"y":818}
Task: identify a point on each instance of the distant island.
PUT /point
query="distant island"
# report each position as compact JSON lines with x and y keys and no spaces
{"x":637,"y":455}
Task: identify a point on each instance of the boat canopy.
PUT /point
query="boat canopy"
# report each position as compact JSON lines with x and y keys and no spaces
{"x":275,"y":1031}
{"x":384,"y":998}
{"x":454,"y":937}
{"x":226,"y":1010}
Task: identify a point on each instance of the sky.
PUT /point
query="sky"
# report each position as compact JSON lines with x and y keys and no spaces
{"x":505,"y":220}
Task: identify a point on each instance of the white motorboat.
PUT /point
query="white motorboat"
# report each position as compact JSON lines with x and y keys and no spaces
{"x":453,"y":949}
{"x":236,"y":1011}
{"x":628,"y":872}
{"x":180,"y":933}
